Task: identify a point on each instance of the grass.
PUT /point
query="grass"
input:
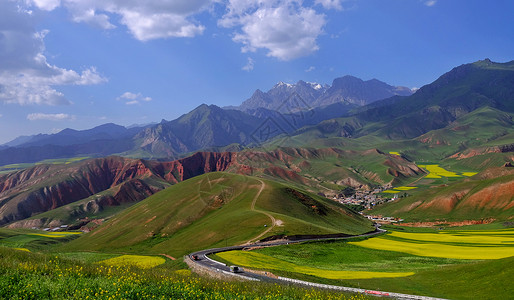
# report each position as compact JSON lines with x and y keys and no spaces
{"x":58,"y":161}
{"x":34,"y":239}
{"x":447,"y":276}
{"x":262,"y":261}
{"x":456,"y":199}
{"x":26,"y":275}
{"x":215,"y":210}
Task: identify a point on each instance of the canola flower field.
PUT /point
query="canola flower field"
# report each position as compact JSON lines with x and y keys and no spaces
{"x":447,"y":244}
{"x":140,"y":261}
{"x":25,"y":275}
{"x":434,"y":172}
{"x":57,"y":234}
{"x":262,"y":261}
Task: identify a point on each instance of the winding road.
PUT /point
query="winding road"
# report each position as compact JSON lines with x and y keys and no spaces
{"x":252,"y":207}
{"x":201,"y":259}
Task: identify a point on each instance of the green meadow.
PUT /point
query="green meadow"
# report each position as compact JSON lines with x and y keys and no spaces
{"x":417,"y":261}
{"x":41,"y":272}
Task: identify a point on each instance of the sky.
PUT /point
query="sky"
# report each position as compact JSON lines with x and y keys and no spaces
{"x":82,"y":63}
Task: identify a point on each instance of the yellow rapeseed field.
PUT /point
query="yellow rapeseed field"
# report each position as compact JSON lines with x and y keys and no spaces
{"x":457,"y":244}
{"x":437,"y":172}
{"x":55,"y":234}
{"x":469,"y":174}
{"x":261,"y":261}
{"x":22,"y":249}
{"x":405,"y":188}
{"x":140,"y":261}
{"x":507,"y":237}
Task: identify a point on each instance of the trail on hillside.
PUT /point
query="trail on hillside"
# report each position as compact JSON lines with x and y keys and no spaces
{"x":252,"y":207}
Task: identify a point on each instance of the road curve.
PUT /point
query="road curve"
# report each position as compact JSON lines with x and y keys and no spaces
{"x":201,"y":258}
{"x":252,"y":208}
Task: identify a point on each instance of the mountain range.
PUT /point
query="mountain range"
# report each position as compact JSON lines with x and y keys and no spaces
{"x":303,"y":110}
{"x":288,"y":107}
{"x":462,"y":117}
{"x":347,"y":89}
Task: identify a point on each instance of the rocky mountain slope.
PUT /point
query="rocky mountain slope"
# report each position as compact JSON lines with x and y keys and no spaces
{"x":113,"y":181}
{"x":347,"y":89}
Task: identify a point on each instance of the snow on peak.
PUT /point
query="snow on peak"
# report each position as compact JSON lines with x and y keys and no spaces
{"x":281,"y":83}
{"x":315,"y":85}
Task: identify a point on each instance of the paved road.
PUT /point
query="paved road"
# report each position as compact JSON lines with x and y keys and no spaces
{"x":203,"y":260}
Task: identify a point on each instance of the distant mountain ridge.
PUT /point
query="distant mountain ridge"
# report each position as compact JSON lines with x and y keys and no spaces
{"x":347,"y":89}
{"x":453,"y":95}
{"x":304,"y":111}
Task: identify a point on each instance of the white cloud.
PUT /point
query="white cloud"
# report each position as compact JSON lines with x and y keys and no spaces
{"x":25,"y":75}
{"x":133,"y":98}
{"x":129,"y":95}
{"x":50,"y":117}
{"x":249,"y":65}
{"x":47,"y":4}
{"x":286,"y":29}
{"x":310,"y":69}
{"x":146,"y":20}
{"x":331,"y":4}
{"x":430,"y":3}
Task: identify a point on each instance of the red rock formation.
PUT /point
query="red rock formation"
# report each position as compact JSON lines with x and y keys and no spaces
{"x":42,"y":188}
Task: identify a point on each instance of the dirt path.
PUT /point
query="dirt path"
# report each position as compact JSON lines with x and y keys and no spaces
{"x":252,"y":207}
{"x":168,"y":256}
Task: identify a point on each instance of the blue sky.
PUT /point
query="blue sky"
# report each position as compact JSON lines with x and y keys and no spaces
{"x":81,"y":63}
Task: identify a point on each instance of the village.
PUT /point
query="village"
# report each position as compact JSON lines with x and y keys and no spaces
{"x":366,"y":200}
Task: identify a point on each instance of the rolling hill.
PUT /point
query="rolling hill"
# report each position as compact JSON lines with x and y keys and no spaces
{"x":218,"y":209}
{"x":487,"y":195}
{"x":54,"y":195}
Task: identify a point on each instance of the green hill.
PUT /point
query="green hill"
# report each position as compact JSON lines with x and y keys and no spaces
{"x":219,"y":209}
{"x":485,"y":195}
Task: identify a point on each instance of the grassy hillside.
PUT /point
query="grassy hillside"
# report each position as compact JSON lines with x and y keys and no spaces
{"x":218,"y":209}
{"x":485,"y":195}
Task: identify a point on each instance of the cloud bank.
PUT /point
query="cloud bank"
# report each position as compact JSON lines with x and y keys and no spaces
{"x":25,"y":75}
{"x":285,"y":29}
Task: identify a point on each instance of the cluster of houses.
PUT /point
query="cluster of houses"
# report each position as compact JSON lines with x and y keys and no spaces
{"x":52,"y":229}
{"x":366,"y":198}
{"x":383,"y":220}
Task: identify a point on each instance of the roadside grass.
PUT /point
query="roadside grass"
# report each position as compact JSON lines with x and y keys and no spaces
{"x":26,"y":275}
{"x":262,"y":261}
